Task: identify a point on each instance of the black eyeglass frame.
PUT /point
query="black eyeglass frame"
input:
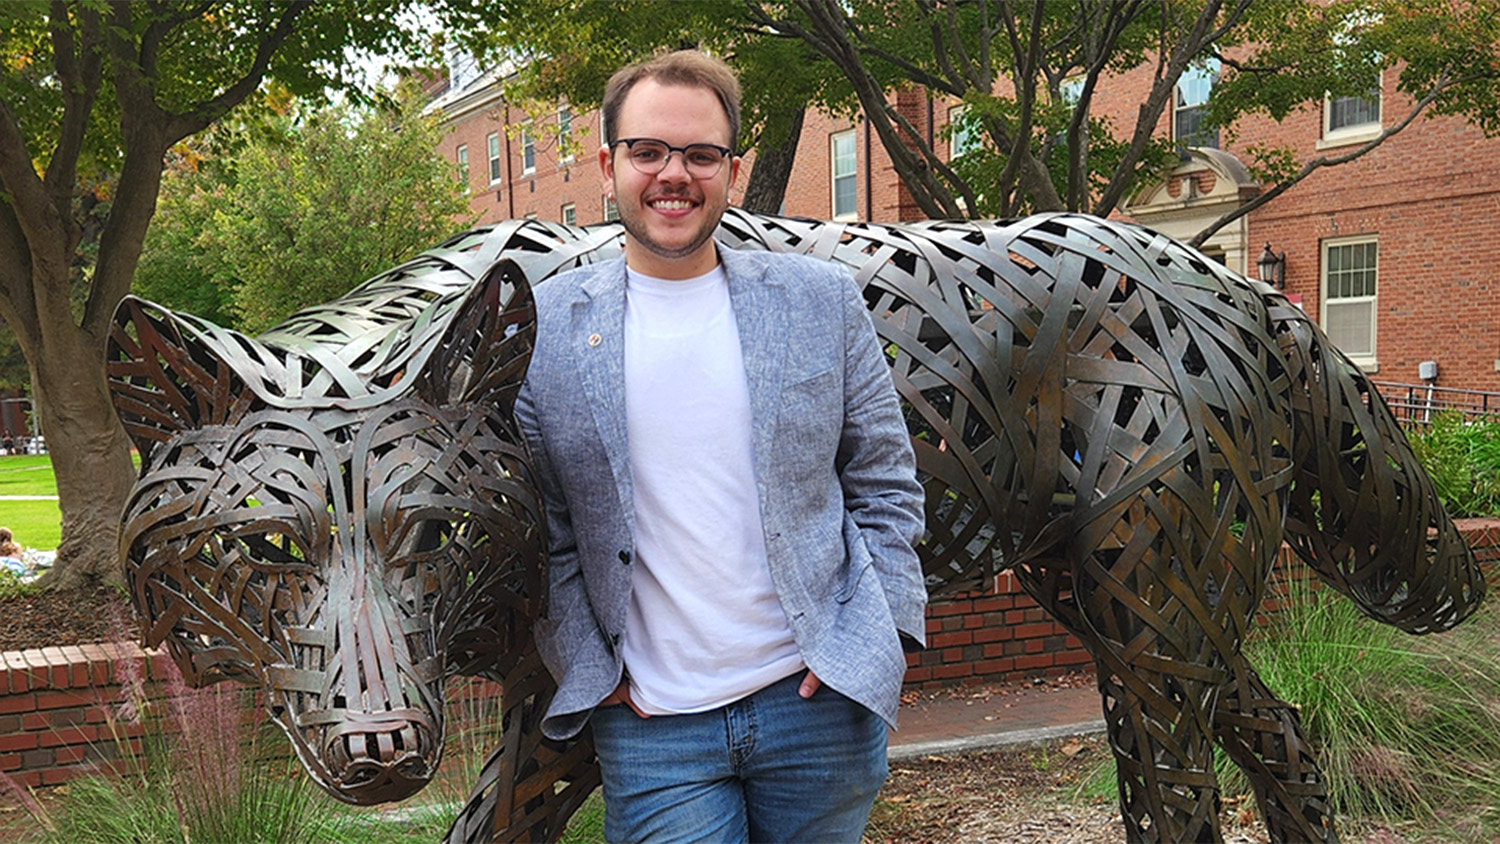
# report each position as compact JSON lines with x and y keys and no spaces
{"x":630,"y":143}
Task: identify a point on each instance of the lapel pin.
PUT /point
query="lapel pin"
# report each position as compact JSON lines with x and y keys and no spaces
{"x":595,"y":339}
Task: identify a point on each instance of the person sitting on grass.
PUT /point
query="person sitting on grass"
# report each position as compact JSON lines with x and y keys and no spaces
{"x":10,"y":554}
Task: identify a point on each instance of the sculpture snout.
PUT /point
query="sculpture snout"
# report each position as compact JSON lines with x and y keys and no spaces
{"x":381,"y":757}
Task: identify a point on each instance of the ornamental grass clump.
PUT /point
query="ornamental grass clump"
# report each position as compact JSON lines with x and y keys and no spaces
{"x":204,"y":773}
{"x":1407,"y":728}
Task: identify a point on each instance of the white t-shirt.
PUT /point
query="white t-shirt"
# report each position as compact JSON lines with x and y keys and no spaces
{"x":704,"y":626}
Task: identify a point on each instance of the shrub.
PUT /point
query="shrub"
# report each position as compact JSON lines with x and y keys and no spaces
{"x":1463,"y":459}
{"x":1406,"y":728}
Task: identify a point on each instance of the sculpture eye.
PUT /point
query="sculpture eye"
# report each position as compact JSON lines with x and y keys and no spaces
{"x":274,"y":550}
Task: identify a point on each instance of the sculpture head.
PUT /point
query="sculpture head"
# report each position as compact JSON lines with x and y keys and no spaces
{"x":338,"y":510}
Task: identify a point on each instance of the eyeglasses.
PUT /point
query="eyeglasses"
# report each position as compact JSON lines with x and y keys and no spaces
{"x":649,"y":156}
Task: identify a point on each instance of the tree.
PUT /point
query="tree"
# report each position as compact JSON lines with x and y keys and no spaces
{"x":300,"y":211}
{"x":1029,"y":72}
{"x":92,"y":96}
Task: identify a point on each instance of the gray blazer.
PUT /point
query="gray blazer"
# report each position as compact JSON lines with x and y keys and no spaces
{"x":839,"y":499}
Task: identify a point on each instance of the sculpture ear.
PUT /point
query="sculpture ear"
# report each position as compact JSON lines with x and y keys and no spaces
{"x":484,"y":354}
{"x":162,"y":380}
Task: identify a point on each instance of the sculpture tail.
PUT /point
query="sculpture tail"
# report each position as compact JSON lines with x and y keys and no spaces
{"x":1363,"y":512}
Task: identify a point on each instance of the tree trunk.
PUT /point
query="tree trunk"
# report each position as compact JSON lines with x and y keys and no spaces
{"x":90,"y":455}
{"x":772,"y":171}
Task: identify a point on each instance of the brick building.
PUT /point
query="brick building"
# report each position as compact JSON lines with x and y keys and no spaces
{"x":1389,"y":252}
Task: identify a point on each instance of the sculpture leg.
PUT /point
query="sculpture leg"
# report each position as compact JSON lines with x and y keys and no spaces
{"x":1263,"y":736}
{"x":1157,"y":707}
{"x":1163,"y":754}
{"x":529,"y":786}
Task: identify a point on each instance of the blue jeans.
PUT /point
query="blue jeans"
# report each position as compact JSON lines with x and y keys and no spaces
{"x":771,"y":767}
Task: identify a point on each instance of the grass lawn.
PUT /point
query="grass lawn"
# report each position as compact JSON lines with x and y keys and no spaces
{"x":36,"y":524}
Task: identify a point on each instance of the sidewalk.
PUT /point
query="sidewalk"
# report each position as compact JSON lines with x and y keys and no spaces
{"x":993,"y":717}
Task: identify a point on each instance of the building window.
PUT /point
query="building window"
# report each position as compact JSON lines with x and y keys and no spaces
{"x":844,"y":199}
{"x":1189,"y":104}
{"x":493,"y":140}
{"x":611,"y":210}
{"x":564,"y":135}
{"x":462,"y":154}
{"x":569,"y":215}
{"x":1071,"y":91}
{"x":1350,"y":267}
{"x":1350,"y":118}
{"x":531,"y":215}
{"x":528,"y":150}
{"x":962,"y":136}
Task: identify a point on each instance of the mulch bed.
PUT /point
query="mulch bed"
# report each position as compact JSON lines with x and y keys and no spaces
{"x":64,"y":617}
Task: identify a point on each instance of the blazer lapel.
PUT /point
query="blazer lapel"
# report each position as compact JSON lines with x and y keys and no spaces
{"x":759,"y":299}
{"x":598,"y":341}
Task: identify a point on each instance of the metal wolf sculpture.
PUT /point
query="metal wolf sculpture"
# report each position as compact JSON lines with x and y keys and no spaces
{"x":338,"y":509}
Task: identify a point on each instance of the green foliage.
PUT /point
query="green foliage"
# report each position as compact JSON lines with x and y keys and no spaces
{"x":300,"y":212}
{"x":1405,"y":727}
{"x":1463,"y":459}
{"x":204,"y":776}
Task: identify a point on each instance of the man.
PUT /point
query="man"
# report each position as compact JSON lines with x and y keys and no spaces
{"x":731,"y":500}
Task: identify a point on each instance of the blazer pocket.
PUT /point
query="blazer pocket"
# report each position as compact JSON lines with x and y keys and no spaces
{"x":857,"y":554}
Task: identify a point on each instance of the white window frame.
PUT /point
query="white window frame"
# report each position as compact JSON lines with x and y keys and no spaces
{"x":564,"y":135}
{"x":961,"y":141}
{"x":461,"y":156}
{"x":1358,"y":132}
{"x":492,"y":142}
{"x":1365,"y":358}
{"x":834,"y":176}
{"x":611,"y":210}
{"x":1208,"y":71}
{"x":528,"y":150}
{"x":569,"y":214}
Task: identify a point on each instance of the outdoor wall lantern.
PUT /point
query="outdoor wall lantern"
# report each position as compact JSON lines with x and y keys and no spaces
{"x":1272,"y":267}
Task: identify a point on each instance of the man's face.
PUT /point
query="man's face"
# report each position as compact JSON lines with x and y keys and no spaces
{"x":670,"y":217}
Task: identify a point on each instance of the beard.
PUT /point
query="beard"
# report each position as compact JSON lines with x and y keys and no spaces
{"x":633,"y":218}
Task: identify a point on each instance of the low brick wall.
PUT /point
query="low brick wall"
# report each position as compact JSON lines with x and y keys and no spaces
{"x":56,"y":711}
{"x":1002,"y":636}
{"x":56,"y":703}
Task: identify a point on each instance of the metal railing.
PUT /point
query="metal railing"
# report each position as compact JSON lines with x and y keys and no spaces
{"x":1415,"y":404}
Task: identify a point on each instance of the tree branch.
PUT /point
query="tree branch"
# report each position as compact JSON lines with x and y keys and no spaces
{"x":1193,"y":43}
{"x":199,"y":118}
{"x":79,"y":77}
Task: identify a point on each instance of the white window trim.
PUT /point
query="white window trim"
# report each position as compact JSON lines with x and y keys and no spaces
{"x":1212,"y":83}
{"x":461,"y":157}
{"x":1352,"y":134}
{"x":609,"y":204}
{"x":496,"y":170}
{"x":955,"y":114}
{"x":527,"y":140}
{"x":568,"y":208}
{"x":1366,"y":362}
{"x":833,"y":179}
{"x":564,"y":140}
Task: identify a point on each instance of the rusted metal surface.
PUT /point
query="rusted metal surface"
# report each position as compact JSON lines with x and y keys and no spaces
{"x":1126,"y":425}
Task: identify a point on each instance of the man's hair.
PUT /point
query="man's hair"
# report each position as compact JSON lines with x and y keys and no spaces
{"x":688,"y":68}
